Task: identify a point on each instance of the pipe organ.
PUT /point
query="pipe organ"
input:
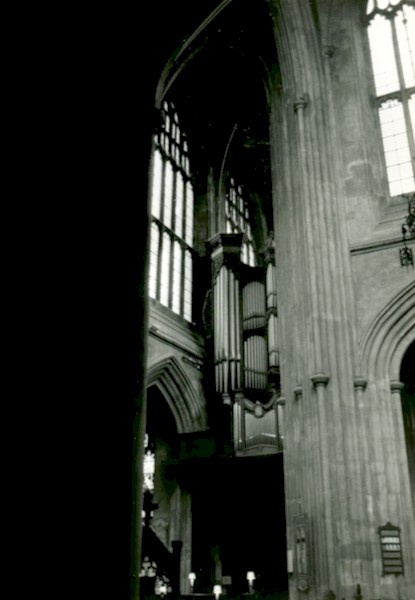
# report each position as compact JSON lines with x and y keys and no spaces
{"x":245,"y":345}
{"x":254,"y":322}
{"x":227,"y":342}
{"x":272,"y":315}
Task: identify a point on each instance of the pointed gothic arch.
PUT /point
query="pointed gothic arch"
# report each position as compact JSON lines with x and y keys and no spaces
{"x":389,"y":335}
{"x":171,"y":379}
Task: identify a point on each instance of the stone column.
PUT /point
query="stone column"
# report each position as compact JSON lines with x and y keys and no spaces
{"x":175,"y":583}
{"x":406,"y":504}
{"x":316,"y":306}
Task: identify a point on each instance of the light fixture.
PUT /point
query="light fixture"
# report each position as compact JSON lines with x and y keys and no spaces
{"x":251,"y":578}
{"x":163,"y":590}
{"x":408,"y":228}
{"x":192,"y":577}
{"x":217,"y":590}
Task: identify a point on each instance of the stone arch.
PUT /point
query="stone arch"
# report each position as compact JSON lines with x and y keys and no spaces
{"x":389,"y":335}
{"x":171,"y":379}
{"x":185,"y":53}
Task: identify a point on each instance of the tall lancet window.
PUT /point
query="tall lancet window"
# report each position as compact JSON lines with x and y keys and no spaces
{"x":172,"y":200}
{"x":237,"y":220}
{"x":391,"y":32}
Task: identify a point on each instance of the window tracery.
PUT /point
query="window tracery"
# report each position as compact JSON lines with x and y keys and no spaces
{"x":391,"y":31}
{"x":237,"y":220}
{"x":172,"y":203}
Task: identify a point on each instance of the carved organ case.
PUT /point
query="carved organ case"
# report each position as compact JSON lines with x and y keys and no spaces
{"x":245,"y":345}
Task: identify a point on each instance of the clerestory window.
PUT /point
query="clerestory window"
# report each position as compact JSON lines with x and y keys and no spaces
{"x":237,"y":220}
{"x":172,"y":204}
{"x":391,"y":30}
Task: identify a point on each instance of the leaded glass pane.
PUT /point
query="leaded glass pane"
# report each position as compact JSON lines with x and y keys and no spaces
{"x":188,"y":286}
{"x":189,"y":214}
{"x":177,"y":275}
{"x":154,"y":250}
{"x":178,"y":222}
{"x":165,"y":270}
{"x":156,"y":184}
{"x":172,"y":204}
{"x":383,"y":56}
{"x":412,"y":113}
{"x":168,"y":194}
{"x":396,"y":147}
{"x":405,"y":29}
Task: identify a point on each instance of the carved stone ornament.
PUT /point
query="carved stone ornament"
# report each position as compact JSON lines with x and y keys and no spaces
{"x":231,"y":262}
{"x":301,"y":543}
{"x":328,"y":50}
{"x":301,"y":102}
{"x":217,"y":263}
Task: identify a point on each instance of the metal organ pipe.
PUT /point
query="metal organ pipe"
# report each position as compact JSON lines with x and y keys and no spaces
{"x":271,"y":286}
{"x":273,"y":341}
{"x":227,"y":351}
{"x":225,"y":332}
{"x":237,"y":335}
{"x":220,"y":330}
{"x":256,"y":360}
{"x":254,"y":318}
{"x":231,"y":331}
{"x":216,"y":328}
{"x":273,"y":350}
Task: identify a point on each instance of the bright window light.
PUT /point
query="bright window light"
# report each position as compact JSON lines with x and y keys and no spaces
{"x":172,"y":206}
{"x":391,"y":32}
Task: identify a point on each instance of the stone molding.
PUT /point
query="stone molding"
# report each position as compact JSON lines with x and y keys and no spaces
{"x":320,"y":380}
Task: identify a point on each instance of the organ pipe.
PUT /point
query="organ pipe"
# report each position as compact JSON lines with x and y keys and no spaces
{"x":226,"y":317}
{"x":245,"y":324}
{"x":273,"y":350}
{"x":254,"y":310}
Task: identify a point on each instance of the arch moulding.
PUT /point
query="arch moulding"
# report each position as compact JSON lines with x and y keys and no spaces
{"x":170,"y":378}
{"x":389,"y":335}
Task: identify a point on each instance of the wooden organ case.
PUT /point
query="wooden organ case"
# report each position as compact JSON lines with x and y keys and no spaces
{"x":245,"y":346}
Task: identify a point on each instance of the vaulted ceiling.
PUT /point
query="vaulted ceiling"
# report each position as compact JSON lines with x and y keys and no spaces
{"x":217,"y":79}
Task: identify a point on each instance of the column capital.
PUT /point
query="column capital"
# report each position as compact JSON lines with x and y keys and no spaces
{"x":301,"y":102}
{"x":298,"y":390}
{"x":281,"y":401}
{"x":360,"y":382}
{"x":396,"y":386}
{"x":320,"y":379}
